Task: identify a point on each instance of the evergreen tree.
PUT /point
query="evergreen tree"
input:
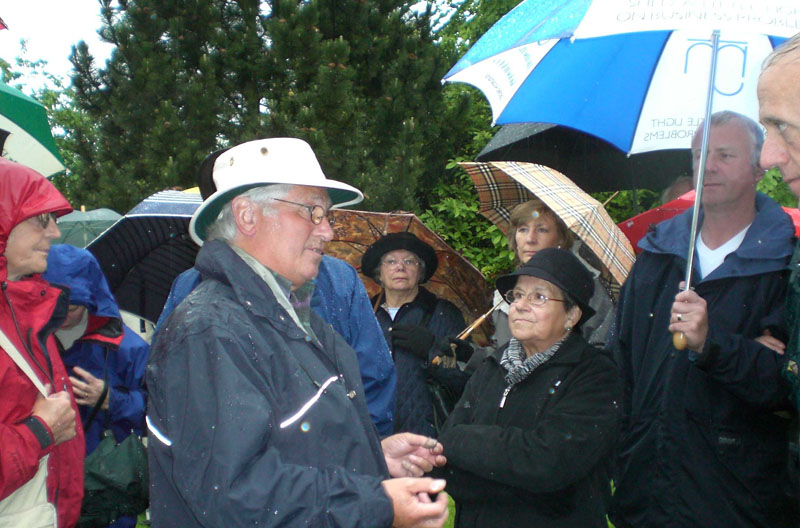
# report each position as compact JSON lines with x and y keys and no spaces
{"x":358,"y":79}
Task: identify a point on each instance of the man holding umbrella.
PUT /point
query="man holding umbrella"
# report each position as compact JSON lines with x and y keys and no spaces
{"x":703,"y":440}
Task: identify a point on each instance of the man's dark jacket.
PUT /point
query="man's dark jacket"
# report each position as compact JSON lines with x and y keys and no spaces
{"x":704,"y":438}
{"x":229,"y":377}
{"x":541,"y":459}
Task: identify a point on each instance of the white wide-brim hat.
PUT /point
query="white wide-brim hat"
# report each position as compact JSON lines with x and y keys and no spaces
{"x":265,"y":162}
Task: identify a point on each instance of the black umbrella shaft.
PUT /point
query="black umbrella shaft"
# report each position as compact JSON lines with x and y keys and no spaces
{"x":701,"y":166}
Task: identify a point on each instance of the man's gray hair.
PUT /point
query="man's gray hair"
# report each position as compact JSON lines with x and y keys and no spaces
{"x":754,"y":130}
{"x":224,"y":227}
{"x":788,"y":50}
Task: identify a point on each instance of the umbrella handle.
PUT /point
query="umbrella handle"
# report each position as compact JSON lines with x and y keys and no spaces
{"x":678,"y":338}
{"x":477,"y":322}
{"x":679,"y":341}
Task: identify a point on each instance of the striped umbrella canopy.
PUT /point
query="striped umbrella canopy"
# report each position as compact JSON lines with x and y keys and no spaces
{"x":143,"y":252}
{"x":25,"y":135}
{"x":503,"y":185}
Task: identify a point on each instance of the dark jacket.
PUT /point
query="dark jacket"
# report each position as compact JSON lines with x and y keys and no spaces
{"x":227,"y":374}
{"x":414,"y":408}
{"x":30,"y":310}
{"x":703,"y":440}
{"x":540,"y":460}
{"x":340,"y":299}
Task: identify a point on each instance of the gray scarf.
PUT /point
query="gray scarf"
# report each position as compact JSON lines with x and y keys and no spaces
{"x":519,"y":366}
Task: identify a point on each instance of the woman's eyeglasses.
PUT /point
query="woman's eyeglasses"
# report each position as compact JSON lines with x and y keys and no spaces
{"x":392,"y":263}
{"x":316,"y":212}
{"x":45,"y":218}
{"x":534,"y":299}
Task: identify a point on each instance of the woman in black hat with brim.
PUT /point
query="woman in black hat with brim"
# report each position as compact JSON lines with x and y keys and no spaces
{"x":529,"y":440}
{"x":416,"y":324}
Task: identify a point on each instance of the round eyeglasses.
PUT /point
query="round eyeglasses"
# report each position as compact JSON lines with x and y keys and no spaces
{"x":392,"y":263}
{"x":534,"y":299}
{"x":316,"y":212}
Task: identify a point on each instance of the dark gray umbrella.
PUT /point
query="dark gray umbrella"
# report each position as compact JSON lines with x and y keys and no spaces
{"x":592,"y":163}
{"x":143,"y":252}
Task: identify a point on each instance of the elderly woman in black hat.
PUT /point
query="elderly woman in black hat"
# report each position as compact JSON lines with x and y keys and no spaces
{"x":533,"y":227}
{"x":416,"y":325}
{"x":528,"y":442}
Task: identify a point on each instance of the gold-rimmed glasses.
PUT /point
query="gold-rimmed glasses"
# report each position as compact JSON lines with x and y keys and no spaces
{"x":316,"y":212}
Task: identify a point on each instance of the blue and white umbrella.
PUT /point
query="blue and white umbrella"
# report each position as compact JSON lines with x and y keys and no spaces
{"x":143,"y":252}
{"x":633,"y":73}
{"x":641,"y":75}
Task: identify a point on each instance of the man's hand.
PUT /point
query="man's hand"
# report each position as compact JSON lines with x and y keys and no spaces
{"x":88,"y":389}
{"x":57,"y":412}
{"x":412,"y":503}
{"x":411,"y":455}
{"x":690,"y":316}
{"x":771,"y":342}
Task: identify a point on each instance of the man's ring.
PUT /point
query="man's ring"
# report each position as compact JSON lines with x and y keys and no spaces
{"x":679,"y":317}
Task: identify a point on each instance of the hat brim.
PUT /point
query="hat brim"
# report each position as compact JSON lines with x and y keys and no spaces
{"x":341,"y":195}
{"x":507,"y":282}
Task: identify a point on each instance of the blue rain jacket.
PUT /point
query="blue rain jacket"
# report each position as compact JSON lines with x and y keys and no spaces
{"x":108,"y":348}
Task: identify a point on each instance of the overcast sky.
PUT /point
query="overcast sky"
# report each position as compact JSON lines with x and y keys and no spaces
{"x":51,"y":27}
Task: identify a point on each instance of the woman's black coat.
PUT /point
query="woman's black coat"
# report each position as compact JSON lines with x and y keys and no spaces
{"x":541,"y":459}
{"x":414,"y":407}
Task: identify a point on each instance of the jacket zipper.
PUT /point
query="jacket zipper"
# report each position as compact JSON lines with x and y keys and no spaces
{"x":505,"y":393}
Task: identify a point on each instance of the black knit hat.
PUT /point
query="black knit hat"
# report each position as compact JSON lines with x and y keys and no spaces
{"x":371,"y":258}
{"x":561,"y":268}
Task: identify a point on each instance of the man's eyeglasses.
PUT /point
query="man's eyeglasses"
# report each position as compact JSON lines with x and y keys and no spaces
{"x":44,"y":219}
{"x":392,"y":263}
{"x":316,"y":212}
{"x":534,"y":299}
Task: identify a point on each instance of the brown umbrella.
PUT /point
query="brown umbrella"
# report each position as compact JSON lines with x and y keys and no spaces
{"x":502,"y":185}
{"x":455,"y":279}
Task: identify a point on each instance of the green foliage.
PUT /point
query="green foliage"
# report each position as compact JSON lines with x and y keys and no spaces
{"x":773,"y":185}
{"x":454,"y":216}
{"x":621,"y":206}
{"x":358,"y":80}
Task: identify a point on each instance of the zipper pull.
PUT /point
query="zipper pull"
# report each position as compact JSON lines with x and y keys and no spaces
{"x":503,"y":399}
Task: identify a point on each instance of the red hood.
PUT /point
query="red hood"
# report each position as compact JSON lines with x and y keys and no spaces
{"x":24,"y":193}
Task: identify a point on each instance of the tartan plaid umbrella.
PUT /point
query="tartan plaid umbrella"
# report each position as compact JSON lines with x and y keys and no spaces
{"x":456,"y":279}
{"x":502,"y":185}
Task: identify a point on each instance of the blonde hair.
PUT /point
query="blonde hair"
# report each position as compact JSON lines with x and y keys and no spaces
{"x":525,"y":212}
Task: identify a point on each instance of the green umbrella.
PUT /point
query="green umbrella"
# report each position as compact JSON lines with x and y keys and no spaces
{"x":81,"y":227}
{"x":25,"y":135}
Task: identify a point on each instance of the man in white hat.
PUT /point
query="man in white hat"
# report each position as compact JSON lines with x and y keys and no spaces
{"x":257,"y":412}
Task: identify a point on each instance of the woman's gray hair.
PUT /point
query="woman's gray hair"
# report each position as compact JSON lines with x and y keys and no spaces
{"x":224,"y":227}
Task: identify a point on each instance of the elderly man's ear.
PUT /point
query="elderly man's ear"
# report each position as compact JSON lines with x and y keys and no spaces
{"x":244,"y":212}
